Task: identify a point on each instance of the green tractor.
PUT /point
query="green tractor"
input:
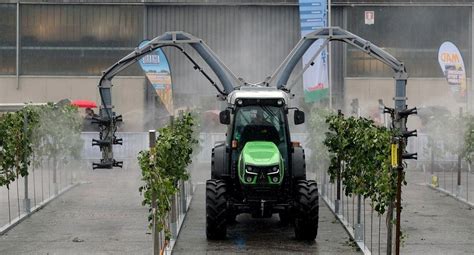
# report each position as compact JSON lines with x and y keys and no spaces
{"x":258,"y":169}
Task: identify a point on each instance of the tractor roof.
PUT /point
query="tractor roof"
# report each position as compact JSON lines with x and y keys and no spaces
{"x":257,"y":92}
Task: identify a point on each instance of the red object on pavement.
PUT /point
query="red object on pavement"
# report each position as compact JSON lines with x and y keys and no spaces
{"x":84,"y":103}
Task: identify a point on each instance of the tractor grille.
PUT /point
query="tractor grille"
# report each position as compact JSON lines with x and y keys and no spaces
{"x":262,"y":173}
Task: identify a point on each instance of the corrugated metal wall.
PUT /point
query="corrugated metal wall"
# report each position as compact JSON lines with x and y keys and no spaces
{"x":233,"y":2}
{"x":338,"y":52}
{"x":251,"y":40}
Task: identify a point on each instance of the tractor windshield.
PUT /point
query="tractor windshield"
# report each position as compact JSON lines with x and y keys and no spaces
{"x":260,"y":123}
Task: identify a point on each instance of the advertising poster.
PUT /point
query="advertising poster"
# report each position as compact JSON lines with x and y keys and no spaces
{"x":157,"y":70}
{"x":452,"y":66}
{"x":313,"y":15}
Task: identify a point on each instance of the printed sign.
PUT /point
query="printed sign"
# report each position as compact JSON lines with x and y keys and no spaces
{"x":157,"y":70}
{"x":369,"y":17}
{"x":313,"y":15}
{"x":394,"y":155}
{"x":452,"y":66}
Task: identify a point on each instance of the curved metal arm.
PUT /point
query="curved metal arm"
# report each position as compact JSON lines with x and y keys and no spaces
{"x":108,"y":120}
{"x":282,"y":74}
{"x":227,"y":78}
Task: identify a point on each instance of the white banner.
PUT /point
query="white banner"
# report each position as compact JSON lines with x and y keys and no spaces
{"x":452,"y":65}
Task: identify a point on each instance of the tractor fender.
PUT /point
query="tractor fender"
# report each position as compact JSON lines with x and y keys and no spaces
{"x":298,"y":165}
{"x":219,"y":164}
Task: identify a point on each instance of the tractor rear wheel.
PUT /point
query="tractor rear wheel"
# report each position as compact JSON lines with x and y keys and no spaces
{"x":216,"y":209}
{"x":307,"y":210}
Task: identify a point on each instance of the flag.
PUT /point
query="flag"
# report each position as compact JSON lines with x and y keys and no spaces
{"x":157,"y":70}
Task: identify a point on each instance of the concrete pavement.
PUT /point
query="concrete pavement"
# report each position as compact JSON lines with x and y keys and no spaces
{"x":102,"y":216}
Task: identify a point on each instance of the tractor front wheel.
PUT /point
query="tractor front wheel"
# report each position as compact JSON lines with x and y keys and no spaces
{"x":216,"y":209}
{"x":307,"y":210}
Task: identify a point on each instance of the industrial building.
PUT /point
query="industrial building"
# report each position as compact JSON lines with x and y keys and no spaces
{"x":50,"y":50}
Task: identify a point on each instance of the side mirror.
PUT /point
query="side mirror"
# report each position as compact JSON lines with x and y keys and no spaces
{"x":299,"y":117}
{"x":224,"y":117}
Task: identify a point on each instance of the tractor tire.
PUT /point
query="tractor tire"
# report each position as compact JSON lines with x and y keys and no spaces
{"x":298,"y":164}
{"x":307,"y":210}
{"x":216,"y":209}
{"x":219,"y":166}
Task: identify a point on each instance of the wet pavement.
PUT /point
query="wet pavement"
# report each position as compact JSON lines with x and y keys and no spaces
{"x":434,"y":223}
{"x":259,"y":236}
{"x":104,"y":215}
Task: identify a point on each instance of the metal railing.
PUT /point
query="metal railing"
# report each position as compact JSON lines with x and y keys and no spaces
{"x":180,"y":203}
{"x":28,"y":194}
{"x":445,"y":172}
{"x":367,"y":228}
{"x":47,"y":181}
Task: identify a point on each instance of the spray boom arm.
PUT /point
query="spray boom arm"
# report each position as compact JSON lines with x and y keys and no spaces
{"x":282,"y":74}
{"x":108,"y":120}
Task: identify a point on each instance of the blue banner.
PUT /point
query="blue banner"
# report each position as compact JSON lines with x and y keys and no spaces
{"x":313,"y":15}
{"x":158,"y":72}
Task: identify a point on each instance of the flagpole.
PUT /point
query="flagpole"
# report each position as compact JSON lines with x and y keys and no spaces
{"x":329,"y":58}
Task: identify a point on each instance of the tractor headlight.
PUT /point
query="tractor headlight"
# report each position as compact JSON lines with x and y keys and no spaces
{"x":275,"y":179}
{"x":249,"y":170}
{"x":239,"y":102}
{"x":280,"y":102}
{"x":249,"y":179}
{"x":274,"y":170}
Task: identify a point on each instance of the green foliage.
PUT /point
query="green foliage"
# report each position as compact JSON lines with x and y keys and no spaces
{"x":365,"y":150}
{"x":164,"y":165}
{"x":43,"y":131}
{"x":16,"y":131}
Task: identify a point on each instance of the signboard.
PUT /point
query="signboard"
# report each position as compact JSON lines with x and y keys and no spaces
{"x":452,"y":66}
{"x":157,"y":70}
{"x":369,"y":17}
{"x":313,"y":15}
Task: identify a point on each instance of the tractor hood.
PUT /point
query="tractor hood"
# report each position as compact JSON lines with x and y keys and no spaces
{"x":261,"y":153}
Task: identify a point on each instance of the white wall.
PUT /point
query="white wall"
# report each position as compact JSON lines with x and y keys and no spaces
{"x":128,"y":93}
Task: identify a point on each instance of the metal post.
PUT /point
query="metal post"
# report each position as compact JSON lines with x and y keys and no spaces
{"x":26,"y":200}
{"x":323,"y":186}
{"x":467,"y":181}
{"x":18,"y":45}
{"x":174,"y":216}
{"x":359,"y":234}
{"x":183,"y":197}
{"x":459,"y":189}
{"x":399,"y":209}
{"x":400,"y":125}
{"x":432,"y":157}
{"x":470,"y":86}
{"x":55,"y":175}
{"x":337,"y":202}
{"x":174,"y":203}
{"x":329,"y":58}
{"x":359,"y":227}
{"x":155,"y":232}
